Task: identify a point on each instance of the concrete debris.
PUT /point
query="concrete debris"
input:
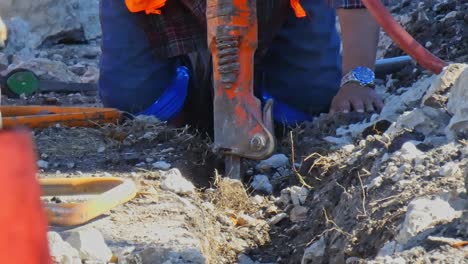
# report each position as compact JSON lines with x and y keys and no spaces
{"x":62,"y":252}
{"x":388,"y":249}
{"x":396,"y":105}
{"x":277,"y":218}
{"x":274,"y":162}
{"x":161,"y":165}
{"x":90,"y":244}
{"x":298,"y":214}
{"x":43,"y":69}
{"x":262,"y":183}
{"x":164,"y":255}
{"x":410,"y":152}
{"x":315,"y":253}
{"x":450,"y":169}
{"x":457,"y":106}
{"x":298,"y":194}
{"x":43,"y":164}
{"x":172,"y":180}
{"x":424,"y":213}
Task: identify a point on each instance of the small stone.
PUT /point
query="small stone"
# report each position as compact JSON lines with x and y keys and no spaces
{"x":43,"y":164}
{"x":409,"y":152}
{"x":298,"y":195}
{"x":167,"y":150}
{"x":90,"y":244}
{"x":101,"y":149}
{"x":376,"y":182}
{"x":141,"y":164}
{"x":348,"y":148}
{"x":70,"y":165}
{"x":315,"y":253}
{"x":450,"y":169}
{"x":78,"y":69}
{"x":57,"y":57}
{"x":428,"y":44}
{"x":161,"y":165}
{"x":149,"y":160}
{"x":258,"y":199}
{"x":262,"y":183}
{"x":452,"y":14}
{"x":175,"y":182}
{"x":149,"y":135}
{"x":274,"y":162}
{"x":244,"y":259}
{"x":60,"y":251}
{"x":44,"y":156}
{"x":277,"y":218}
{"x":298,"y":214}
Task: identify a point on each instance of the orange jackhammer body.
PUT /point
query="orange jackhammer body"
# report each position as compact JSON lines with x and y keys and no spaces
{"x":241,"y":129}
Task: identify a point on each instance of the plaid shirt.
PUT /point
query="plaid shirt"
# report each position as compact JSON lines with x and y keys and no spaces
{"x":181,"y":27}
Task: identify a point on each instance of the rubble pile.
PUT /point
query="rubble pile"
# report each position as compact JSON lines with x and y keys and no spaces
{"x":386,"y":189}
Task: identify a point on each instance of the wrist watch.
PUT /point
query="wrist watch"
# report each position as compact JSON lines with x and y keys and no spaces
{"x":360,"y":75}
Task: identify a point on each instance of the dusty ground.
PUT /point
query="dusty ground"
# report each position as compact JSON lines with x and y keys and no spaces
{"x":352,"y":188}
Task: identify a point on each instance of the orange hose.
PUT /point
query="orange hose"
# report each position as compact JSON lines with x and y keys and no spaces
{"x":402,"y":38}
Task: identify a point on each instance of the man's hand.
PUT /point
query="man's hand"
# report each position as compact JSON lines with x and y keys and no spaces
{"x":353,"y":97}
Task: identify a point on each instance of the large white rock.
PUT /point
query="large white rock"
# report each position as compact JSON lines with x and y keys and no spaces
{"x":458,"y":106}
{"x":424,"y":213}
{"x":90,"y":244}
{"x":60,"y":251}
{"x":172,"y":180}
{"x":298,"y":195}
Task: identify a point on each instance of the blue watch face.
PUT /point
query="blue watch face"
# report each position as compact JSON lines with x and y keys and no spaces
{"x":364,"y":75}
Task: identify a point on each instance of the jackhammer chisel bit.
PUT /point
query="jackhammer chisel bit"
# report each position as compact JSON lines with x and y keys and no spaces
{"x":241,"y":130}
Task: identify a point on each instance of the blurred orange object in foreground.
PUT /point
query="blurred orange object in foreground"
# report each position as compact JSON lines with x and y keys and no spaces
{"x":23,"y":223}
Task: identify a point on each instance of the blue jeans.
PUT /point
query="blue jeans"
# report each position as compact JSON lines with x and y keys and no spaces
{"x":301,"y":69}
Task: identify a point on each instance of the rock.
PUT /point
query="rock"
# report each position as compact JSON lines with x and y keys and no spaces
{"x":277,"y":218}
{"x":101,"y":149}
{"x":457,"y":106}
{"x":298,"y":194}
{"x":172,"y":180}
{"x":262,"y":183}
{"x":409,"y":152}
{"x":70,"y":165}
{"x":424,"y":213}
{"x":90,"y":244}
{"x":91,"y":75}
{"x":315,"y":253}
{"x":48,"y":22}
{"x":388,"y":249}
{"x":450,"y":169}
{"x":298,"y":214}
{"x":78,"y":69}
{"x":44,"y":69}
{"x":43,"y":164}
{"x":165,"y":255}
{"x":274,"y":162}
{"x":395,"y":105}
{"x":60,"y":251}
{"x":161,"y":165}
{"x":452,"y":14}
{"x":244,"y":259}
